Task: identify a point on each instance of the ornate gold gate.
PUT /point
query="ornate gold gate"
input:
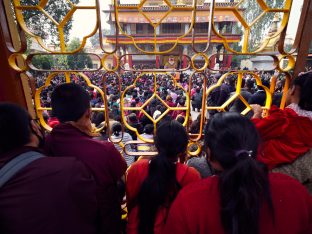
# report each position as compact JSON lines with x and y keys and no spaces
{"x":14,"y":15}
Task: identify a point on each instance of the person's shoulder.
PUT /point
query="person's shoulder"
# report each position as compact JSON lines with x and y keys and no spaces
{"x":142,"y":163}
{"x":284,"y":182}
{"x":207,"y":187}
{"x":127,"y":136}
{"x":57,"y":163}
{"x":101,"y":145}
{"x":186,"y":168}
{"x":276,"y":177}
{"x":56,"y":168}
{"x":137,"y":171}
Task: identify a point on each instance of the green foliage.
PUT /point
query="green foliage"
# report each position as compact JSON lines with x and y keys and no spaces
{"x":40,"y":25}
{"x":95,"y":39}
{"x":44,"y":62}
{"x":74,"y":44}
{"x":259,"y":29}
{"x":79,"y":60}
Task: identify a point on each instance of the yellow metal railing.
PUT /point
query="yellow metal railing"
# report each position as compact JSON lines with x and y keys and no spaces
{"x":236,"y":10}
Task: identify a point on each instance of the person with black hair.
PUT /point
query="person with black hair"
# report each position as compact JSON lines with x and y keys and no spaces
{"x":259,"y":96}
{"x":73,"y":137}
{"x":197,"y":100}
{"x":153,"y":184}
{"x":243,"y":198}
{"x":40,"y":194}
{"x":180,"y":119}
{"x":148,"y":134}
{"x":120,"y":139}
{"x":238,"y":105}
{"x":286,"y":134}
{"x":135,"y":123}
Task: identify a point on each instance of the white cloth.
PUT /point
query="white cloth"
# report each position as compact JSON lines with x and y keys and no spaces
{"x":156,"y":114}
{"x":126,"y":137}
{"x":299,"y":111}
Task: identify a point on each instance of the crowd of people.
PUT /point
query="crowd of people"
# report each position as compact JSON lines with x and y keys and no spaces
{"x":256,"y":179}
{"x":171,"y":89}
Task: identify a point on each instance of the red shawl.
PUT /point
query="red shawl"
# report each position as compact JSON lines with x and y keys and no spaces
{"x":285,"y":136}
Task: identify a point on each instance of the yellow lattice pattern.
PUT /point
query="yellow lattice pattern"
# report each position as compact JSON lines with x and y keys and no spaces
{"x":191,"y":11}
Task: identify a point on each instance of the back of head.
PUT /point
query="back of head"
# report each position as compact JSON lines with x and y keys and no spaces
{"x":244,"y":186}
{"x":171,"y":139}
{"x":265,"y":83}
{"x":14,"y":127}
{"x":132,"y":117}
{"x":148,"y":129}
{"x":217,"y":76}
{"x":160,"y":187}
{"x":69,"y":102}
{"x":236,"y":131}
{"x":250,"y":83}
{"x":230,"y":80}
{"x":180,"y":119}
{"x":116,"y":128}
{"x":304,"y":81}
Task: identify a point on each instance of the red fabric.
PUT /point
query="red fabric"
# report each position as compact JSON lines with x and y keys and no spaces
{"x":157,"y":61}
{"x":285,"y":136}
{"x":193,"y":91}
{"x":176,"y":113}
{"x":50,"y":195}
{"x":170,"y":104}
{"x":130,"y":61}
{"x":229,"y":61}
{"x":197,"y":209}
{"x":103,"y":160}
{"x":135,"y":177}
{"x":53,"y":121}
{"x":212,"y":61}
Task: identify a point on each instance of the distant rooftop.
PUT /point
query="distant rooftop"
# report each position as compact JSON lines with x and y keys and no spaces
{"x":147,"y":6}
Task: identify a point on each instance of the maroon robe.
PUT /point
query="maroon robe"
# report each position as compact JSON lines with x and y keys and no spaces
{"x":50,"y":195}
{"x":104,"y":161}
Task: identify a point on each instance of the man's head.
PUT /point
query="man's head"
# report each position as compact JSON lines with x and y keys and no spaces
{"x":148,"y":129}
{"x":17,"y":128}
{"x":70,"y":102}
{"x":300,"y":91}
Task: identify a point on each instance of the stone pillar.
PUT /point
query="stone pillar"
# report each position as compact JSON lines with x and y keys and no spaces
{"x":128,"y":29}
{"x":158,"y":30}
{"x":157,"y":62}
{"x":186,"y":27}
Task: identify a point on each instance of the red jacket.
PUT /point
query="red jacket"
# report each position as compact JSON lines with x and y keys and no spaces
{"x":285,"y":136}
{"x":103,"y":160}
{"x":196,"y":210}
{"x":50,"y":195}
{"x":135,"y":177}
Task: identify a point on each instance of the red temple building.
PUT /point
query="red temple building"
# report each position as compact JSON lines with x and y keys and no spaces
{"x":138,"y":27}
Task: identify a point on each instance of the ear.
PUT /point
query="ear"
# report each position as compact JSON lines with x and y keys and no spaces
{"x":88,"y":113}
{"x":215,"y":164}
{"x":292,"y":90}
{"x":35,"y":128}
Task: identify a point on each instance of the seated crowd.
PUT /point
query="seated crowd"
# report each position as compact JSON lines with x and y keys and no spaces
{"x":74,"y":181}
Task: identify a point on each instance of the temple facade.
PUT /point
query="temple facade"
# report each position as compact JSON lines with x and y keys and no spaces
{"x":142,"y":25}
